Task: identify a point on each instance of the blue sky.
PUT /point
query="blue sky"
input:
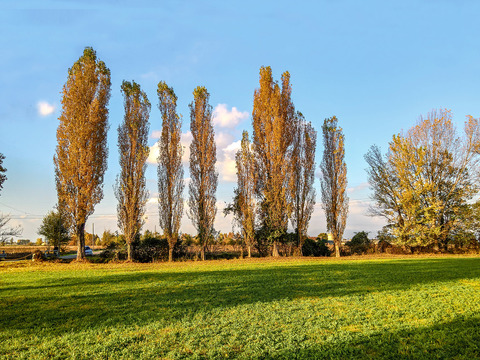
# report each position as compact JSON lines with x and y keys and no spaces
{"x":376,"y":65}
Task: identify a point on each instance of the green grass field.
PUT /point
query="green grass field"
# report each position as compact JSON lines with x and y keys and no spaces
{"x":260,"y":309}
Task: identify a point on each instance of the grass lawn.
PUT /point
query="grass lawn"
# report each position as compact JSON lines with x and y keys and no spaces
{"x":261,"y":309}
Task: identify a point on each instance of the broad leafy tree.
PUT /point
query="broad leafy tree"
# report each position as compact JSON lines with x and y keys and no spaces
{"x":204,"y":177}
{"x":430,"y":172}
{"x":333,"y":180}
{"x":130,"y":188}
{"x":170,"y":168}
{"x":54,"y":229}
{"x":273,"y":120}
{"x":81,"y":154}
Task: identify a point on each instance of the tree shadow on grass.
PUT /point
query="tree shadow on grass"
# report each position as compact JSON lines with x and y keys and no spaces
{"x":84,"y":302}
{"x":458,"y":339}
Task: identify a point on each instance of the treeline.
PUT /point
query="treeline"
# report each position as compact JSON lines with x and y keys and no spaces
{"x":425,"y":186}
{"x":275,"y":169}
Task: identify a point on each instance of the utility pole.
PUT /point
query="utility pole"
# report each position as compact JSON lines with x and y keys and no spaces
{"x":93,"y":235}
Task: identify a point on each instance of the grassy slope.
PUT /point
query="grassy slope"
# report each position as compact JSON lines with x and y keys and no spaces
{"x":388,"y":308}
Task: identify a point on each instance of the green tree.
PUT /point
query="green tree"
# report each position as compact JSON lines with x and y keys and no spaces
{"x":273,"y":120}
{"x":54,"y":230}
{"x":204,"y":177}
{"x":170,"y":168}
{"x":130,"y":188}
{"x":81,"y":154}
{"x":359,"y":242}
{"x":421,"y":186}
{"x":333,"y":180}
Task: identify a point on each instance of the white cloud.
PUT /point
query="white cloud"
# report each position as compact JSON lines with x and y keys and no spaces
{"x":222,"y":140}
{"x":185,"y":140}
{"x":153,"y":155}
{"x":222,"y":117}
{"x":44,"y":108}
{"x":156,"y":134}
{"x":226,"y":161}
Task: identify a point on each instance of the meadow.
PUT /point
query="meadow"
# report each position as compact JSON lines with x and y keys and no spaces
{"x":399,"y":307}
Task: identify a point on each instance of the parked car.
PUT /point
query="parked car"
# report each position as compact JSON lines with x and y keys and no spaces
{"x":88,"y":251}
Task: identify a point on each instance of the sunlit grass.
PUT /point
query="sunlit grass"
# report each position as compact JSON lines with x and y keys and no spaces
{"x":396,"y":308}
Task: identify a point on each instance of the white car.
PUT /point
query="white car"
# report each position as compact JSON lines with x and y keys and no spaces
{"x":88,"y":251}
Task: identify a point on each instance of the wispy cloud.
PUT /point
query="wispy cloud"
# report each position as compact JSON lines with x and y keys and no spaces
{"x":358,"y":188}
{"x":222,"y":117}
{"x":44,"y":108}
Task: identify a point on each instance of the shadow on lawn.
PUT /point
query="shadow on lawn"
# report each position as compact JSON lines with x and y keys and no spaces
{"x":458,"y":339}
{"x":59,"y":305}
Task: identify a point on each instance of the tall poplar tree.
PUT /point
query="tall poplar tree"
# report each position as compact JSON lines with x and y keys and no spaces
{"x":302,"y":177}
{"x":204,"y":177}
{"x":170,"y":168}
{"x":244,"y":204}
{"x":130,"y":187}
{"x":81,"y":154}
{"x":273,"y":130}
{"x":333,"y":180}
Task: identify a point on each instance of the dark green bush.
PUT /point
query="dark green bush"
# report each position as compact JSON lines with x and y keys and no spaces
{"x":359,"y":244}
{"x":315,"y":247}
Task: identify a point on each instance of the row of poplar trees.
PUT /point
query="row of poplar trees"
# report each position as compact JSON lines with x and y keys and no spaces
{"x":275,"y":171}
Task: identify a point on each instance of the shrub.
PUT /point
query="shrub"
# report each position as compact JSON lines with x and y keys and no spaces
{"x":315,"y":247}
{"x":359,"y":243}
{"x":38,"y":256}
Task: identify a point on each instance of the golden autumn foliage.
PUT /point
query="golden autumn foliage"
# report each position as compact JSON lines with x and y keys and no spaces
{"x":204,"y":177}
{"x":81,"y":154}
{"x":130,"y":187}
{"x":244,"y":205}
{"x":333,"y":180}
{"x":302,"y":177}
{"x":429,"y":174}
{"x":273,"y":131}
{"x":170,"y":168}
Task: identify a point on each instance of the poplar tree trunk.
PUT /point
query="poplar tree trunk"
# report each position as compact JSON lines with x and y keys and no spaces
{"x":81,"y":241}
{"x":129,"y":251}
{"x":275,"y":250}
{"x":337,"y":248}
{"x":170,"y":253}
{"x":249,"y":251}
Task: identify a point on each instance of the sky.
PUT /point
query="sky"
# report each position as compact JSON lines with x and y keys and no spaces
{"x":376,"y":65}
